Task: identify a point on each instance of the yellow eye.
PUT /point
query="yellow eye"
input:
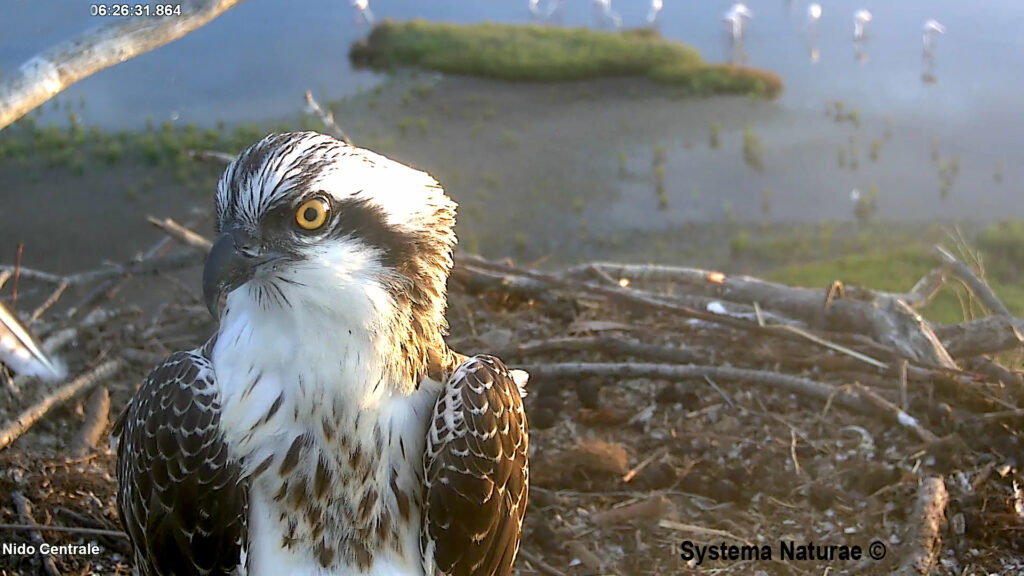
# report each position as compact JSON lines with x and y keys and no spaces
{"x":312,"y":214}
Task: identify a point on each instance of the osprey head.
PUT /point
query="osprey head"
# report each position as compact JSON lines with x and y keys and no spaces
{"x":304,"y":221}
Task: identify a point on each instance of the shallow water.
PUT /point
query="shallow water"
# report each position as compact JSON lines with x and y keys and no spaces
{"x":559,"y":186}
{"x":266,"y":52}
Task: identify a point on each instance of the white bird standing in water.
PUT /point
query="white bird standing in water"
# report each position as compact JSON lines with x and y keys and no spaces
{"x":656,"y":6}
{"x":931,"y":28}
{"x":735,"y":17}
{"x":860,"y":20}
{"x":813,"y":15}
{"x":363,"y":10}
{"x":605,"y":9}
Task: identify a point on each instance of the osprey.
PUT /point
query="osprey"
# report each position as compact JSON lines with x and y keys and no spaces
{"x":326,"y":428}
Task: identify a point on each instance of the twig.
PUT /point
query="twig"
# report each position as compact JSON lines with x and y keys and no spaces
{"x":165,"y":263}
{"x":541,"y":566}
{"x":68,"y":529}
{"x":181,"y":233}
{"x":976,"y":285}
{"x":24,"y":508}
{"x":983,"y":336}
{"x":211,"y":155}
{"x":794,"y":384}
{"x":605,"y":344}
{"x":629,"y":476}
{"x":651,"y":508}
{"x":50,"y":301}
{"x":327,"y":117}
{"x":702,"y":531}
{"x":894,"y":413}
{"x":51,"y":71}
{"x":13,"y":430}
{"x":930,"y":512}
{"x":97,"y":414}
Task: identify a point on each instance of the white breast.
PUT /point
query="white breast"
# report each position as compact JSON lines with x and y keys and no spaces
{"x":292,"y":375}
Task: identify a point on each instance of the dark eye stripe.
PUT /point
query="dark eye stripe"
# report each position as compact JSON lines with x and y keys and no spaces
{"x":359,"y":218}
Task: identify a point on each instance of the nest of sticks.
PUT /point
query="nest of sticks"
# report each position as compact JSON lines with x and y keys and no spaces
{"x":667,"y":405}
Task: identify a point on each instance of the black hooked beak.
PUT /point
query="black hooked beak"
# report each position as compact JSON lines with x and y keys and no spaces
{"x":232,"y":261}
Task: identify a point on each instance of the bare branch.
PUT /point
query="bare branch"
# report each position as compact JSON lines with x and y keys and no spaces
{"x":181,"y":233}
{"x":67,"y":529}
{"x":211,"y":155}
{"x":45,"y":75}
{"x":97,"y":415}
{"x":930,"y":512}
{"x":976,"y":285}
{"x":327,"y":117}
{"x":983,"y":336}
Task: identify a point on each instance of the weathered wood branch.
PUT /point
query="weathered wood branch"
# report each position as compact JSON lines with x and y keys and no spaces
{"x":983,"y":336}
{"x":181,"y":233}
{"x":48,"y":73}
{"x":163,"y":263}
{"x":930,"y":513}
{"x":327,"y":117}
{"x":976,"y":285}
{"x":97,"y":415}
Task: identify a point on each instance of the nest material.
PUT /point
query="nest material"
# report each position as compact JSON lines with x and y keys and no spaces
{"x":666,"y":405}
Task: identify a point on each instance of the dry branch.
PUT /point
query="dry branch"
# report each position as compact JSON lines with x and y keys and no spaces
{"x":48,"y":73}
{"x":651,"y":509}
{"x":181,"y":233}
{"x":211,"y":155}
{"x":24,"y":508}
{"x":976,"y":285}
{"x":327,"y":117}
{"x":66,"y":529}
{"x":930,"y":513}
{"x":794,"y":384}
{"x":156,"y":264}
{"x":983,"y":336}
{"x":97,"y":415}
{"x":13,"y":430}
{"x":541,"y":566}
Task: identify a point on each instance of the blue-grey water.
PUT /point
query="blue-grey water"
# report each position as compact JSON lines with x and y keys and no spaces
{"x":559,"y":189}
{"x":254,"y":61}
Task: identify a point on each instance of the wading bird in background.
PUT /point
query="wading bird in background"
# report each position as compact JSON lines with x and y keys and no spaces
{"x":20,"y":351}
{"x":326,"y":427}
{"x":656,"y":6}
{"x":605,"y":13}
{"x":813,"y":15}
{"x":363,"y":13}
{"x":931,"y":28}
{"x":736,"y":17}
{"x":860,"y":20}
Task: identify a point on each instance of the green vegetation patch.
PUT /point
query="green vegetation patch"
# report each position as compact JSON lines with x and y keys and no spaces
{"x":551,"y":54}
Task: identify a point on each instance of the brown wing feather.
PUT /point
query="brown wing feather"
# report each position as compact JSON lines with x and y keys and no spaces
{"x":476,"y":473}
{"x":180,"y":497}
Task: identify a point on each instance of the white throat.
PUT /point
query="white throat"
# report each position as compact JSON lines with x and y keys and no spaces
{"x":318,"y":378}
